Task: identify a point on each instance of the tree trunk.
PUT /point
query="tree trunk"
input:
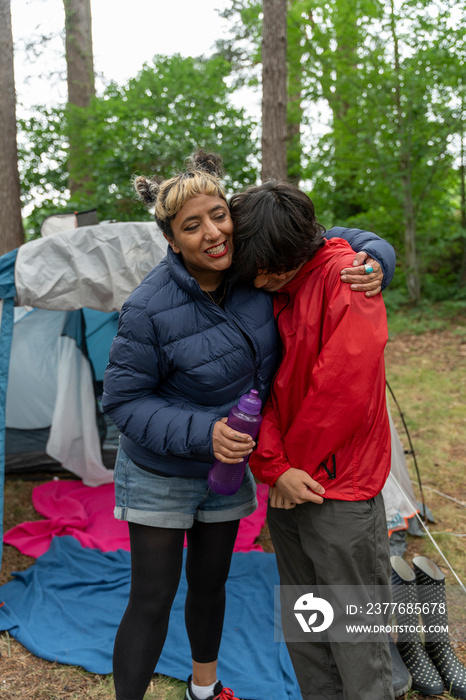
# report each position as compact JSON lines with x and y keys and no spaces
{"x":79,"y":56}
{"x":295,"y":83}
{"x":293,"y":156}
{"x":11,"y":224}
{"x":462,"y":278}
{"x":274,"y":90}
{"x":80,"y":77}
{"x":413,"y":278}
{"x":348,"y":37}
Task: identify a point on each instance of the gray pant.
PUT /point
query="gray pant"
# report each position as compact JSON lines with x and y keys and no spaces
{"x":337,"y":543}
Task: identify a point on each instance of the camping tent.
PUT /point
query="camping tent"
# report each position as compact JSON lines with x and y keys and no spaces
{"x":59,"y":301}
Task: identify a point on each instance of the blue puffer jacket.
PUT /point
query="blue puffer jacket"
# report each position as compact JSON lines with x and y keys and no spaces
{"x":179,"y":362}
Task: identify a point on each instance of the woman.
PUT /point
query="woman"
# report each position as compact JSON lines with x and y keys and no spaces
{"x":189,"y":344}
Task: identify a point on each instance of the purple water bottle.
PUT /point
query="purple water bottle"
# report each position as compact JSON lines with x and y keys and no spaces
{"x":245,"y":418}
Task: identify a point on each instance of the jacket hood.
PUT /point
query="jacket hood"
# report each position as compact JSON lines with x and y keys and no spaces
{"x":184,"y":279}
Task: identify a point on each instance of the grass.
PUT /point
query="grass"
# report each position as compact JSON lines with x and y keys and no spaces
{"x":426,"y":317}
{"x":427,"y":373}
{"x":25,"y":677}
{"x":426,"y":368}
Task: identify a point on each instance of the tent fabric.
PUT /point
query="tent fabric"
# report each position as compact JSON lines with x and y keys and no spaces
{"x":87,"y":514}
{"x":56,"y":223}
{"x":90,"y":266}
{"x":7,"y":274}
{"x":51,"y":386}
{"x":93,"y":266}
{"x":67,"y":607}
{"x":33,"y":373}
{"x":7,"y":293}
{"x":101,"y":328}
{"x":400,"y":505}
{"x":74,"y":439}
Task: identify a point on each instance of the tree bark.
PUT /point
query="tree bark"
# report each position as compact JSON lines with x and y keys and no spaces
{"x":79,"y":55}
{"x":462,"y":278}
{"x":413,"y":277}
{"x":295,"y":83}
{"x":11,"y":224}
{"x":80,"y":77}
{"x":274,"y":91}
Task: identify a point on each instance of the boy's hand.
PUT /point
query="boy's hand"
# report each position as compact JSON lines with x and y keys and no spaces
{"x":298,"y":487}
{"x":230,"y":446}
{"x":278,"y":500}
{"x":360,"y":279}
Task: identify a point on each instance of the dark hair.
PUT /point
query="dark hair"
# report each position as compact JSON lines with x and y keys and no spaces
{"x":275,"y":229}
{"x":202,"y":176}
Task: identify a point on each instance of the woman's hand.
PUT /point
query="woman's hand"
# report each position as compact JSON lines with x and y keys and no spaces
{"x":298,"y":487}
{"x":359,"y":279}
{"x":229,"y":445}
{"x":278,"y":500}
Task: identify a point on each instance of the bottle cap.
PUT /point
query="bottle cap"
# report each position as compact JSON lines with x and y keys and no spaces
{"x":250,"y":403}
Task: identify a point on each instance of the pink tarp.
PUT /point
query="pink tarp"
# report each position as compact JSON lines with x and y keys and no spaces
{"x":86,"y":513}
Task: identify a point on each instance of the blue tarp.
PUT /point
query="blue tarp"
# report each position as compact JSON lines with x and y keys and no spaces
{"x":67,"y":607}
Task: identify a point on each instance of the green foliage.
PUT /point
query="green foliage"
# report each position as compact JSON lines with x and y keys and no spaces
{"x":242,"y":48}
{"x":150,"y":125}
{"x":390,"y":77}
{"x":42,"y":151}
{"x":387,"y":163}
{"x":386,"y":77}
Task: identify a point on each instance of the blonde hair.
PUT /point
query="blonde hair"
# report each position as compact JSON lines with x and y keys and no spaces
{"x":202,"y":176}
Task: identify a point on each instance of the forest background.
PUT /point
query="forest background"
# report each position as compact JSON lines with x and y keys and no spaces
{"x":375,"y":122}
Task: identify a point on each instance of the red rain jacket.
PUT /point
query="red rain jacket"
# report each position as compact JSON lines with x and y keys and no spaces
{"x":327,"y":411}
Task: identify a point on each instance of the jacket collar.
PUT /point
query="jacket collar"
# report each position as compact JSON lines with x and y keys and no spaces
{"x":330,"y":248}
{"x":181,"y":276}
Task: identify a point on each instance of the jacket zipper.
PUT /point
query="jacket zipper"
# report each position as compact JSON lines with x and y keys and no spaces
{"x":331,"y":473}
{"x":272,"y":384}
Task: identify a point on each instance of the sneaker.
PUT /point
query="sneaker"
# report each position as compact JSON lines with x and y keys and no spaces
{"x":220,"y":693}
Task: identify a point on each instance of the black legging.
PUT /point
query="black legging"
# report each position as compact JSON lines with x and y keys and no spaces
{"x":156,"y":563}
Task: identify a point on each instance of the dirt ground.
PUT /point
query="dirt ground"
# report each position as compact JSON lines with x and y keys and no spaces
{"x":25,"y":677}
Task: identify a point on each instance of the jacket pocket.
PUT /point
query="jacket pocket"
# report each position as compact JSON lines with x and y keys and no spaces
{"x":330,"y":467}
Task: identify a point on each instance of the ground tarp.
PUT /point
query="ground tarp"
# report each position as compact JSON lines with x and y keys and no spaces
{"x":67,"y":607}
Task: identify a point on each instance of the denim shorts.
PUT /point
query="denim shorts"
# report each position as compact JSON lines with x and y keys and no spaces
{"x":175,"y":502}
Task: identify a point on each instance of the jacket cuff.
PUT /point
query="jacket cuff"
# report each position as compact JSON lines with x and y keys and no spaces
{"x":387,"y":262}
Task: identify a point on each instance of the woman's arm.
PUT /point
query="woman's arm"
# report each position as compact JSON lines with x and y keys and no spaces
{"x":369,"y":247}
{"x":131,"y":399}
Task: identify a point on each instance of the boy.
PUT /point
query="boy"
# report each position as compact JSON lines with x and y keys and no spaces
{"x":324,"y":444}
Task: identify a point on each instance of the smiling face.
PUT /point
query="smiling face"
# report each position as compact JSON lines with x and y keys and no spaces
{"x":202,"y":234}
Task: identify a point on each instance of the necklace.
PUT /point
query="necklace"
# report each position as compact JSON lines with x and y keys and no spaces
{"x":217,"y":295}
